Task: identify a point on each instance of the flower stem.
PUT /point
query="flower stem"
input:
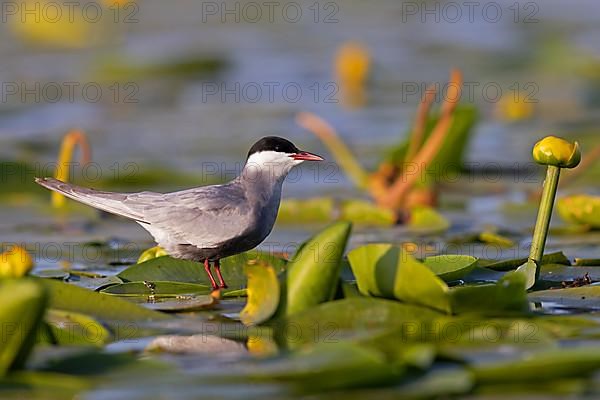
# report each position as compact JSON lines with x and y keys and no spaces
{"x":540,"y":232}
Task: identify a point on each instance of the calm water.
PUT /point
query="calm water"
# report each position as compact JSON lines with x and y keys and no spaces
{"x":278,"y":66}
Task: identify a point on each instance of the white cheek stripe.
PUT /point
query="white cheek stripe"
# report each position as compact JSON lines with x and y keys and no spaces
{"x":271,"y":163}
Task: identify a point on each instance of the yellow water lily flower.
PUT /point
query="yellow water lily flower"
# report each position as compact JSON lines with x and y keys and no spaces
{"x":556,"y":151}
{"x":352,"y":64}
{"x":15,"y":263}
{"x":152,"y":252}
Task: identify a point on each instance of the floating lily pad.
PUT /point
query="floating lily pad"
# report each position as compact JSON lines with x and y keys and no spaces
{"x":60,"y":274}
{"x":427,"y":219}
{"x":582,"y":297}
{"x":508,"y":265}
{"x":94,"y":283}
{"x":508,"y":294}
{"x":70,"y":328}
{"x":539,"y":366}
{"x":68,"y":297}
{"x":326,"y":366}
{"x":353,"y":318}
{"x":451,"y":267}
{"x":388,"y":271}
{"x":170,"y":269}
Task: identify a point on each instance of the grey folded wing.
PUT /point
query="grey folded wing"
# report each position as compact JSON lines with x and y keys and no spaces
{"x":204,"y":217}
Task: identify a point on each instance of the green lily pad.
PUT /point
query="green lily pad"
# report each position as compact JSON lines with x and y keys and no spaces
{"x":508,"y":265}
{"x":443,"y":380}
{"x":507,"y":295}
{"x":323,"y":367}
{"x":68,"y":297}
{"x":427,"y":219}
{"x":451,"y":267}
{"x":263,"y":294}
{"x":70,"y":328}
{"x":352,"y":318}
{"x":319,"y":209}
{"x":33,"y":385}
{"x":94,"y":283}
{"x":157,"y":288}
{"x":384,"y":270}
{"x":23,"y":305}
{"x":584,"y":297}
{"x":314,"y":271}
{"x":170,"y":269}
{"x":539,"y":366}
{"x":363,"y":212}
{"x":60,"y":274}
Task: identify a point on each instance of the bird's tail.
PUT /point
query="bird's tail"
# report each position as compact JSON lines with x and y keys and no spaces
{"x":106,"y":201}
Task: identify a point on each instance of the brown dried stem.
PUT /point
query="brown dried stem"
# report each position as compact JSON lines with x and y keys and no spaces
{"x":418,"y":135}
{"x":400,"y":188}
{"x":342,"y":154}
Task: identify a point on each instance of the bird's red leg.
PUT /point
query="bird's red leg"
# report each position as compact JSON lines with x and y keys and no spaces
{"x":222,"y":283}
{"x":212,"y":280}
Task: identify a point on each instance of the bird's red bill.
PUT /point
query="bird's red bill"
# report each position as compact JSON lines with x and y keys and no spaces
{"x":306,"y":156}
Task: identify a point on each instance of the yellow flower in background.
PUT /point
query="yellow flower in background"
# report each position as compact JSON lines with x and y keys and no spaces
{"x":513,"y":109}
{"x":152,"y":252}
{"x":15,"y":263}
{"x":556,"y":151}
{"x":51,"y":23}
{"x":352,"y":65}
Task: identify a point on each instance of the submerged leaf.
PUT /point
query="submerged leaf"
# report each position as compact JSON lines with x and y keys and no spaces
{"x":173,"y":304}
{"x":388,"y":271}
{"x":158,"y":288}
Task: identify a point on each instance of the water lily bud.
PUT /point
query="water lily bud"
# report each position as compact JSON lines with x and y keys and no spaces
{"x":556,"y":151}
{"x":15,"y":263}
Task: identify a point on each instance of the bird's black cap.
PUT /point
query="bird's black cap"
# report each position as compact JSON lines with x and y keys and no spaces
{"x":273,"y":143}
